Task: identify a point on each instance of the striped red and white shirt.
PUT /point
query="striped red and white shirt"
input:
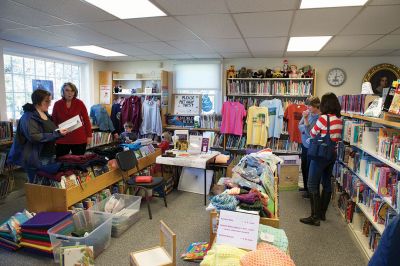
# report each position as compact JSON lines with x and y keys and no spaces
{"x":335,"y":127}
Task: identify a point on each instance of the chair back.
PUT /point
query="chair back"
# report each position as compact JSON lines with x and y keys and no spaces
{"x":167,"y":234}
{"x":126,"y":160}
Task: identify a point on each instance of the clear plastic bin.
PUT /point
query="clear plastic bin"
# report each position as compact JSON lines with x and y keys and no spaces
{"x":97,"y":224}
{"x":126,"y":217}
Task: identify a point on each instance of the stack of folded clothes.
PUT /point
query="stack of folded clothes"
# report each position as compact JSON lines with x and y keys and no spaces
{"x":10,"y":230}
{"x":34,"y":231}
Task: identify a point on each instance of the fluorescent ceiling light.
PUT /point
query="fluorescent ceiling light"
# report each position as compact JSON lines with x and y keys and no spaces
{"x":330,"y":3}
{"x":93,"y":49}
{"x":125,"y":9}
{"x":307,"y":43}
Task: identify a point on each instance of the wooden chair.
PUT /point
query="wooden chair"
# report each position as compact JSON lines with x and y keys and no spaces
{"x":157,"y":256}
{"x":127,"y":161}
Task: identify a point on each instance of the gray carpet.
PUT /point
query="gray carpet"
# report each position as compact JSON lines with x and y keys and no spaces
{"x":185,"y":214}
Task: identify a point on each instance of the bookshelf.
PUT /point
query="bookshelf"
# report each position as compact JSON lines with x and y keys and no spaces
{"x":386,"y":121}
{"x":192,"y":128}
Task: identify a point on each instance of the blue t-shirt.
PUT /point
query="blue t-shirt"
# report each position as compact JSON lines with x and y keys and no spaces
{"x":305,"y":130}
{"x":275,"y":115}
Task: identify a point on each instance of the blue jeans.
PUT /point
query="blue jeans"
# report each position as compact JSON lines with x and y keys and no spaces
{"x":320,"y":172}
{"x":305,"y":165}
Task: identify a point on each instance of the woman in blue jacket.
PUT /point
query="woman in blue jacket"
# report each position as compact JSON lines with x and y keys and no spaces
{"x":34,"y":141}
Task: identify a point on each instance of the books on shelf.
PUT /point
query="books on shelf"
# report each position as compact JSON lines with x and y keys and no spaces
{"x":100,"y":138}
{"x":236,"y":142}
{"x":211,"y":121}
{"x":6,"y":131}
{"x":395,"y":105}
{"x":356,"y":104}
{"x":269,"y":87}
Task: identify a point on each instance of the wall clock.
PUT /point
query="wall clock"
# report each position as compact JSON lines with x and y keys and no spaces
{"x":336,"y":77}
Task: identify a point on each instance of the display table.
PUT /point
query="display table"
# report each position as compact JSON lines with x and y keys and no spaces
{"x":45,"y":198}
{"x":183,"y":159}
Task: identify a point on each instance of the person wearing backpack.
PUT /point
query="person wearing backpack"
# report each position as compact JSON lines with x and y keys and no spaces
{"x":322,"y":153}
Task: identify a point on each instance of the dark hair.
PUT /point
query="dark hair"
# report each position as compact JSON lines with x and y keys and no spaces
{"x":39,"y":95}
{"x":128,"y":125}
{"x":72,"y":86}
{"x":330,"y":104}
{"x":313,"y":101}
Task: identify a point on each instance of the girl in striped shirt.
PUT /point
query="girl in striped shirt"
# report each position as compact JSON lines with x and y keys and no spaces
{"x":321,"y":171}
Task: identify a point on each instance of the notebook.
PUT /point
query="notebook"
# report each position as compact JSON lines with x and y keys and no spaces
{"x":45,"y":219}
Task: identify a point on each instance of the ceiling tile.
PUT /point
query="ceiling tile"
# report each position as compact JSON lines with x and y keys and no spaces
{"x":383,"y":2}
{"x":395,"y":53}
{"x":236,"y":55}
{"x":386,"y":43}
{"x":227,"y":45}
{"x":178,"y":56}
{"x":152,"y":57}
{"x":80,"y":33}
{"x":164,"y":28}
{"x":374,"y":20}
{"x":191,"y":7}
{"x":267,"y":45}
{"x":127,"y":49}
{"x":334,"y":53}
{"x":159,"y":47}
{"x":266,"y":24}
{"x":206,"y":56}
{"x":353,"y":42}
{"x":6,"y":24}
{"x":372,"y":52}
{"x":324,"y":21}
{"x":396,"y":32}
{"x":71,"y":10}
{"x":191,"y":46}
{"x":33,"y":36}
{"x":238,"y":6}
{"x":120,"y":30}
{"x":25,"y":15}
{"x":211,"y":26}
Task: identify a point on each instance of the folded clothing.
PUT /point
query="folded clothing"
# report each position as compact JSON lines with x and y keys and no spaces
{"x":57,"y":176}
{"x":223,"y":255}
{"x":248,"y":198}
{"x":266,"y":255}
{"x":224,"y":202}
{"x":71,"y":158}
{"x":280,"y":239}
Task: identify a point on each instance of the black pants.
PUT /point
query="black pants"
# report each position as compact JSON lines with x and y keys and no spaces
{"x":305,"y":165}
{"x":76,"y":149}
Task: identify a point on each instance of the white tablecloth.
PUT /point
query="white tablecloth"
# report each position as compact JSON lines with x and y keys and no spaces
{"x":193,"y":160}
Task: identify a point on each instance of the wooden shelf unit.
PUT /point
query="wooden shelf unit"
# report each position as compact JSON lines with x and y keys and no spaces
{"x":388,"y":120}
{"x":45,"y":198}
{"x":192,"y":128}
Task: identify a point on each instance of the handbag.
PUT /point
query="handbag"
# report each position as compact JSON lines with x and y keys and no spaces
{"x":322,"y":148}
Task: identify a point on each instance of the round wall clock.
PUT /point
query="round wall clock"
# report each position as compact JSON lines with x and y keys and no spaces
{"x":336,"y":77}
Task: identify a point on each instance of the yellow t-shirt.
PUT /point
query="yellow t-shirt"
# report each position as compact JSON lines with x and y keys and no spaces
{"x":257,"y":126}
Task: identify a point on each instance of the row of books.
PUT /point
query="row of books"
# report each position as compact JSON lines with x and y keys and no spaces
{"x":6,"y":131}
{"x":217,"y":140}
{"x":389,"y":144}
{"x":144,"y":151}
{"x":100,"y":138}
{"x":269,"y":87}
{"x":356,"y":104}
{"x":211,"y":121}
{"x":369,"y":231}
{"x":236,"y":142}
{"x":284,"y":145}
{"x":3,"y":158}
{"x":91,"y":201}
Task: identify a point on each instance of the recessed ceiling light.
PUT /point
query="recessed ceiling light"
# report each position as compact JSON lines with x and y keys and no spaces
{"x":314,"y":43}
{"x":93,"y":49}
{"x":330,"y":3}
{"x":125,"y":9}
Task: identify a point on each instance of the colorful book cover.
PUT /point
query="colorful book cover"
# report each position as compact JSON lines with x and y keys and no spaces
{"x":196,"y":251}
{"x":77,"y":256}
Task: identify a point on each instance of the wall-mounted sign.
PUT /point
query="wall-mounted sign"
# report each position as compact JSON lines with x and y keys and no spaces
{"x":187,"y":104}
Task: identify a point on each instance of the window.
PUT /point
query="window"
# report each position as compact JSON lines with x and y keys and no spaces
{"x":19,"y":71}
{"x":200,"y":78}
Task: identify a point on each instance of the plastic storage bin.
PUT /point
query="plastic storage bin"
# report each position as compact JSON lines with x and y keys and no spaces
{"x":97,"y":224}
{"x":126,"y":217}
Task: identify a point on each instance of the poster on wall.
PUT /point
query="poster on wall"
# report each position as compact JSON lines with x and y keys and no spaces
{"x":105,"y":94}
{"x":43,"y":84}
{"x":187,"y":104}
{"x":381,"y":77}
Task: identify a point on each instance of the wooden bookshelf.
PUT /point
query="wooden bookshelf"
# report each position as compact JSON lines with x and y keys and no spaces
{"x":192,"y":128}
{"x":388,"y":120}
{"x":45,"y":198}
{"x":269,"y":95}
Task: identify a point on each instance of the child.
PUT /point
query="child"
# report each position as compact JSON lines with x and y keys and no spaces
{"x":128,"y":136}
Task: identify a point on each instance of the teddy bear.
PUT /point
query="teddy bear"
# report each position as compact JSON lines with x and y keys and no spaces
{"x":285,"y":68}
{"x":268,"y":73}
{"x":277,"y":72}
{"x":260,"y":74}
{"x":243,"y":73}
{"x":293,"y":71}
{"x":231,"y":72}
{"x":166,"y":139}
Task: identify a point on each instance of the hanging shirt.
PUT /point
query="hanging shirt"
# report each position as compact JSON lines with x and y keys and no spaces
{"x":275,"y":115}
{"x":294,"y":113}
{"x":232,"y":118}
{"x":151,"y":123}
{"x":257,"y":126}
{"x":116,"y":117}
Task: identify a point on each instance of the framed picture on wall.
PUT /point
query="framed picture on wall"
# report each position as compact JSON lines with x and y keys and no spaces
{"x":381,"y":76}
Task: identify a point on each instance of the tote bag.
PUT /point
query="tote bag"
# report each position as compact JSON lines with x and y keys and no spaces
{"x":322,"y":148}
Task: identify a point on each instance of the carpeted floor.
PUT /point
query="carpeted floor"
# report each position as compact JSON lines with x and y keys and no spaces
{"x":186,"y":215}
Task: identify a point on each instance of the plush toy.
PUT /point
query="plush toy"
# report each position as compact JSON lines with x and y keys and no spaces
{"x":285,"y":68}
{"x":277,"y":72}
{"x":249,"y":73}
{"x":166,"y":139}
{"x":254,"y":75}
{"x":300,"y":74}
{"x":231,"y":72}
{"x":293,"y":71}
{"x":308,"y":71}
{"x":243,"y":73}
{"x":260,"y":74}
{"x":268,"y":73}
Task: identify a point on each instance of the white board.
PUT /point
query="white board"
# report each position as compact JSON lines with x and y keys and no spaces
{"x":187,"y":104}
{"x":192,"y":180}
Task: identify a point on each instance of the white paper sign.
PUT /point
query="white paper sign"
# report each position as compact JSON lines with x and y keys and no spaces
{"x":105,"y":94}
{"x":186,"y":104}
{"x":238,"y":229}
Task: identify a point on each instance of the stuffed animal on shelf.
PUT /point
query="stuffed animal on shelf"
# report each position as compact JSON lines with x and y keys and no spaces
{"x":285,"y":68}
{"x":293,"y":71}
{"x":277,"y":72}
{"x":254,"y":75}
{"x":243,"y":73}
{"x":231,"y":72}
{"x":300,"y":74}
{"x":268,"y":73}
{"x":249,"y":73}
{"x":308,"y":71}
{"x":260,"y":74}
{"x":166,"y":139}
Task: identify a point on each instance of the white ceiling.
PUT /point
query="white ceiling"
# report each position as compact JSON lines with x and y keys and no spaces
{"x":204,"y":28}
